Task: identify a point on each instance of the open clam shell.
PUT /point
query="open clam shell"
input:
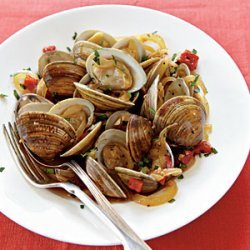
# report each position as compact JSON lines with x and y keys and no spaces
{"x":35,"y":106}
{"x":112,"y":150}
{"x":103,"y":180}
{"x":46,"y":135}
{"x":86,"y":143}
{"x":118,"y":120}
{"x":133,"y":67}
{"x":132,"y":46}
{"x":182,"y":70}
{"x":53,"y":56}
{"x":189,"y":115}
{"x":77,"y":111}
{"x":138,"y":135}
{"x":149,"y":183}
{"x":98,"y":37}
{"x":102,"y":101}
{"x":81,"y":51}
{"x":59,"y":78}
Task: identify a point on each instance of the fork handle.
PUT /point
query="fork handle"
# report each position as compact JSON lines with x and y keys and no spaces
{"x":129,"y":238}
{"x":92,"y":206}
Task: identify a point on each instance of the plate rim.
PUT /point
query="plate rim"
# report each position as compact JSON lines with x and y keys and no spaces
{"x":46,"y":18}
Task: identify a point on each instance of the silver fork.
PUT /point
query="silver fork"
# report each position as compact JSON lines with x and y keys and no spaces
{"x":105,"y":212}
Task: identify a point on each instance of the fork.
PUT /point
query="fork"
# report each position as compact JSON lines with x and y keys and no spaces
{"x":26,"y":163}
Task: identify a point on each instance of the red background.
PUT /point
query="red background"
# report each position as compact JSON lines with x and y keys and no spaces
{"x":227,"y":224}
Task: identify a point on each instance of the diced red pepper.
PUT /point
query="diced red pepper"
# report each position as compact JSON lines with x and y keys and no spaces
{"x":30,"y":83}
{"x":135,"y":184}
{"x":168,"y":162}
{"x":163,"y":180}
{"x":203,"y":147}
{"x":190,"y":59}
{"x":49,"y":48}
{"x":186,"y":157}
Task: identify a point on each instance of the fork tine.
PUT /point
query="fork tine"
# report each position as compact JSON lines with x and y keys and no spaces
{"x":38,"y":171}
{"x":16,"y":156}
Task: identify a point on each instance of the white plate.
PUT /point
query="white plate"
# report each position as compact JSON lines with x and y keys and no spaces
{"x":45,"y":213}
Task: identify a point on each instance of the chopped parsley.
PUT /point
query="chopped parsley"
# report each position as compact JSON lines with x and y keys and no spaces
{"x":171,"y":201}
{"x":69,"y":49}
{"x":155,"y":32}
{"x":144,"y":58}
{"x":29,"y":69}
{"x":54,"y":94}
{"x":197,"y":90}
{"x":129,"y":95}
{"x":107,"y":75}
{"x":181,"y":165}
{"x":102,"y":117}
{"x":214,"y":151}
{"x":195,"y":80}
{"x":2,"y":95}
{"x":194,"y":51}
{"x":180,"y":177}
{"x":50,"y":170}
{"x":97,"y":57}
{"x":174,"y":56}
{"x":16,"y":94}
{"x":82,"y":206}
{"x":151,"y":110}
{"x":74,"y":36}
{"x":1,"y":169}
{"x":22,"y":86}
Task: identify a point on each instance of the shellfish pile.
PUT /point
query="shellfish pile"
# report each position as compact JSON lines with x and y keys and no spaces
{"x":137,"y":115}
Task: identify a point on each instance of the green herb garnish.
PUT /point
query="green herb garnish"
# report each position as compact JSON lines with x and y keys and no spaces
{"x":181,"y":165}
{"x":146,"y":161}
{"x":107,"y":75}
{"x":214,"y":151}
{"x":174,"y":56}
{"x":29,"y":69}
{"x":97,"y":57}
{"x":16,"y":94}
{"x":74,"y":36}
{"x":82,"y":206}
{"x":156,"y":167}
{"x":151,"y":110}
{"x":144,"y":58}
{"x":129,"y":95}
{"x":69,"y":49}
{"x":194,"y":51}
{"x":153,"y":33}
{"x":50,"y":170}
{"x":22,"y":86}
{"x":197,"y":90}
{"x":102,"y":117}
{"x":171,"y":201}
{"x":2,"y":95}
{"x":195,"y":80}
{"x":54,"y":94}
{"x":1,"y":169}
{"x":180,"y":177}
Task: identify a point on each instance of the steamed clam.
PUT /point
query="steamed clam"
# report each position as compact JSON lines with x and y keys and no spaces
{"x":113,"y":78}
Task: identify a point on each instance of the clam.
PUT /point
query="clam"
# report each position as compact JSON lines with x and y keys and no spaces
{"x":103,"y":180}
{"x":98,"y":37}
{"x":46,"y":135}
{"x":118,"y":120}
{"x":188,"y":114}
{"x":149,"y":184}
{"x":112,"y":150}
{"x":60,"y":76}
{"x":182,"y":70}
{"x":132,"y":46}
{"x":139,"y":135}
{"x":114,"y":75}
{"x":82,"y":49}
{"x":78,"y":112}
{"x":53,"y":56}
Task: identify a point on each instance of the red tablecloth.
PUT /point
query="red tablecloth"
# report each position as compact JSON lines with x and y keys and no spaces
{"x":227,"y":224}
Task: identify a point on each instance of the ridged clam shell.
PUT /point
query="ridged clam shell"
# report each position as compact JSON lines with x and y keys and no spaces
{"x":102,"y":101}
{"x":46,"y":135}
{"x":139,"y":136}
{"x":59,"y":77}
